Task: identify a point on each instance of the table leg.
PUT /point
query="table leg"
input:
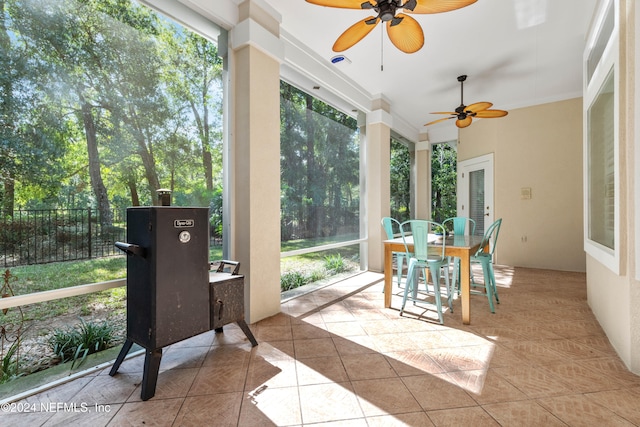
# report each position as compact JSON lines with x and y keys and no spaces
{"x":465,"y":274}
{"x":388,"y":275}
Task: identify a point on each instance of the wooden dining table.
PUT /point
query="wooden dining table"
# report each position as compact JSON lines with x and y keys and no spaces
{"x":456,"y":246}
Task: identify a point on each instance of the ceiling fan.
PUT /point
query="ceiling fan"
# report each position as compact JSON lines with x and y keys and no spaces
{"x":404,"y":31}
{"x":464,"y":114}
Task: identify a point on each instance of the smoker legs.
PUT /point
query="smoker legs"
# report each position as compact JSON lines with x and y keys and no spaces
{"x":152,"y":360}
{"x":247,"y":332}
{"x":245,"y":328}
{"x":123,"y":353}
{"x":151,"y":367}
{"x":150,"y":374}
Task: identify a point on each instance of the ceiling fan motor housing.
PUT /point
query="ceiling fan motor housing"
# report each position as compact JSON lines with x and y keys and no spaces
{"x":386,"y":9}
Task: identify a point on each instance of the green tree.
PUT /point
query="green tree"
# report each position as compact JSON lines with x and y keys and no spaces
{"x":30,"y":135}
{"x":400,"y":181}
{"x":319,"y":166}
{"x":443,"y":182}
{"x":193,"y":73}
{"x":111,"y":100}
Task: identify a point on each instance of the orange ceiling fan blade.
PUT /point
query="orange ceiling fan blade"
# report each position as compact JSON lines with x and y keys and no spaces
{"x":477,"y":106}
{"x":464,"y":122}
{"x":453,"y":113}
{"x":489,"y":114}
{"x":355,"y":33}
{"x":439,"y":120}
{"x":437,"y":6}
{"x":344,"y":4}
{"x":405,"y":33}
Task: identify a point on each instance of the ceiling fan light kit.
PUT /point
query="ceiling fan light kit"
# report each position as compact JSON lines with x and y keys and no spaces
{"x":404,"y":31}
{"x":464,"y":114}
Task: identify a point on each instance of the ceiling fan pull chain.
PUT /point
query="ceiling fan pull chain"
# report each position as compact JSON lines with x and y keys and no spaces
{"x":381,"y":47}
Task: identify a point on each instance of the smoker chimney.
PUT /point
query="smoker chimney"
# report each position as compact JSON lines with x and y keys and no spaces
{"x":164,"y":196}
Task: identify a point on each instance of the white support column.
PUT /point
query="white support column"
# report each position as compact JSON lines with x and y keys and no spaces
{"x":378,"y":193}
{"x":422,"y":184}
{"x":254,"y":225}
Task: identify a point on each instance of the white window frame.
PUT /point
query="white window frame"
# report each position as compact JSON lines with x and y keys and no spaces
{"x":609,"y":257}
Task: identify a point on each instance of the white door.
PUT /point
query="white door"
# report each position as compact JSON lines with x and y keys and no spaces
{"x":475,"y":191}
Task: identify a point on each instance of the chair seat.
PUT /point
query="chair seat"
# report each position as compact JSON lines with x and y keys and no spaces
{"x":391,"y":226}
{"x":425,"y":257}
{"x":485,"y":260}
{"x":459,"y":227}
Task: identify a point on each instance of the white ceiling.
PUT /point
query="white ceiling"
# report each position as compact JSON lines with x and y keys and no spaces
{"x":516,"y":53}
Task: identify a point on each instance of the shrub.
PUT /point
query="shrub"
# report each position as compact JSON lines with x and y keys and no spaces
{"x":77,"y":343}
{"x":292,"y":279}
{"x":9,"y":366}
{"x":334,"y":264}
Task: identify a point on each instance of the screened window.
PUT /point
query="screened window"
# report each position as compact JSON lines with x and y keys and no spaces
{"x":400,"y":177}
{"x":444,"y":159}
{"x":602,"y":194}
{"x":320,"y":189}
{"x":601,"y":168}
{"x":102,"y":103}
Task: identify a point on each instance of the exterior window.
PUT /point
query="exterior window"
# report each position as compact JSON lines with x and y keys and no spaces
{"x":601,"y":170}
{"x":602,"y":195}
{"x":320,"y":190}
{"x":400,"y":181}
{"x":102,"y":104}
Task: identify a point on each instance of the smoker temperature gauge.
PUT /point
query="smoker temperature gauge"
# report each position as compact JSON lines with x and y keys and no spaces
{"x":184,"y":236}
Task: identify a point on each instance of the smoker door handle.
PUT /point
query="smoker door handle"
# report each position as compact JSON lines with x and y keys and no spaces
{"x":131,"y":249}
{"x":227,"y":262}
{"x":221,"y":305}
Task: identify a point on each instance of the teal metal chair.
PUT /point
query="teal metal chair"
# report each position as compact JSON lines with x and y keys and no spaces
{"x":392,"y":227}
{"x":485,"y":259}
{"x":425,"y":256}
{"x":458,"y":225}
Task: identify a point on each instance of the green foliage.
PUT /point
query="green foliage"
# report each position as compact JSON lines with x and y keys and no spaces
{"x":112,"y":78}
{"x":293,"y":279}
{"x":313,"y":267}
{"x":319,"y":148}
{"x":400,"y":181}
{"x":77,"y":343}
{"x":10,"y":332}
{"x":443,"y":182}
{"x":334,"y":264}
{"x":9,"y":369}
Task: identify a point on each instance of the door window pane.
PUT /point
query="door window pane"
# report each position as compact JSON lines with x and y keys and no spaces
{"x":476,"y":199}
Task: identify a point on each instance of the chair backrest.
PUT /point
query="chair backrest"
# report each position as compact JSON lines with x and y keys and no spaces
{"x":390,"y":226}
{"x":490,"y":237}
{"x":420,"y":230}
{"x":460,"y":225}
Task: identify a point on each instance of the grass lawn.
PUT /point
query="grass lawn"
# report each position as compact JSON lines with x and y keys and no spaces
{"x":37,"y":322}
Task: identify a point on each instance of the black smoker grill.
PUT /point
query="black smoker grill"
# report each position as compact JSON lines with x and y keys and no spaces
{"x":171,"y":294}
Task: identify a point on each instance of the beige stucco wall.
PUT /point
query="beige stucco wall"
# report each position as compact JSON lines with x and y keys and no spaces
{"x":608,"y":296}
{"x":540,"y":148}
{"x":615,"y":297}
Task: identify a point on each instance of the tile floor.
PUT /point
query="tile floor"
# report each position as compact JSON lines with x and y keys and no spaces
{"x":336,"y":357}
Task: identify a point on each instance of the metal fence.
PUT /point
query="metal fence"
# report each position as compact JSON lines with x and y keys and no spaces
{"x":48,"y":235}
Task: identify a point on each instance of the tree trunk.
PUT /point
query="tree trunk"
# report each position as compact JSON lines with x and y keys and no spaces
{"x":133,"y":189}
{"x":203,"y":130}
{"x":8,"y":196}
{"x":146,"y":154}
{"x":99,"y":190}
{"x":149,"y":167}
{"x":7,"y":122}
